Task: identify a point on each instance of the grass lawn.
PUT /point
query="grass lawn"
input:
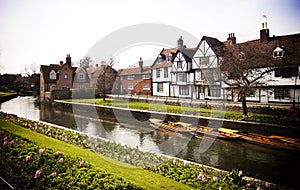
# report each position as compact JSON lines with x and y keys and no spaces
{"x":137,"y":176}
{"x":231,"y":115}
{"x":3,"y":94}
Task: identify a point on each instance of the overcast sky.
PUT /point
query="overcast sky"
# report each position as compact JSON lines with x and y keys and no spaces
{"x":44,"y":31}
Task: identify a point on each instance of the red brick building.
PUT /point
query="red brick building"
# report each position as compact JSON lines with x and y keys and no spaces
{"x":135,"y":80}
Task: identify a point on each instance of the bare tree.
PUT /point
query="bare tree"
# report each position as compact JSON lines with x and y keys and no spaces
{"x":106,"y":79}
{"x":86,"y":62}
{"x":245,"y":68}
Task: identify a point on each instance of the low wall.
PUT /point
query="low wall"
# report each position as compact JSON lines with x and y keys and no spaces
{"x":121,"y":115}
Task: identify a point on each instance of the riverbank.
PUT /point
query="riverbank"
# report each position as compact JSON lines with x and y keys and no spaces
{"x":93,"y":109}
{"x":6,"y":96}
{"x":178,"y":171}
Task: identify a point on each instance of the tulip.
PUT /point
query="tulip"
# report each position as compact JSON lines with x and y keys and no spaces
{"x":61,"y":160}
{"x":240,"y":173}
{"x":248,"y":185}
{"x":5,"y":143}
{"x":268,"y":184}
{"x":57,"y":153}
{"x":27,"y":159}
{"x":215,"y":179}
{"x":184,"y":164}
{"x":54,"y":174}
{"x":81,"y":164}
{"x":37,"y":174}
{"x":174,"y":162}
{"x":41,"y":151}
{"x":258,"y":188}
{"x":84,"y":141}
{"x":5,"y":139}
{"x":12,"y":143}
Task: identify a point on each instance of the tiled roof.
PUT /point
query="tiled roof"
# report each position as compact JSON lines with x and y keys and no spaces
{"x":46,"y":69}
{"x":135,"y":71}
{"x":162,"y":64}
{"x":260,"y":54}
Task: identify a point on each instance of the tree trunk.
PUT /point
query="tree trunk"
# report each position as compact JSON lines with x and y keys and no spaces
{"x":244,"y":106}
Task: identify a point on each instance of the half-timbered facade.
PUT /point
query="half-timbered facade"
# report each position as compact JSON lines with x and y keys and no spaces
{"x":206,"y":67}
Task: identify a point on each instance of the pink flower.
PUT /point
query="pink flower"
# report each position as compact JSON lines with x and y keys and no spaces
{"x":41,"y":151}
{"x":5,"y":139}
{"x":200,"y":176}
{"x":66,"y":140}
{"x":5,"y":143}
{"x":220,"y":188}
{"x":258,"y":188}
{"x":240,"y":173}
{"x":61,"y":160}
{"x":54,"y":174}
{"x":248,"y":185}
{"x":203,"y":178}
{"x":174,"y":162}
{"x":37,"y":174}
{"x":81,"y":164}
{"x":11,"y":143}
{"x":84,"y":142}
{"x":27,"y":159}
{"x":215,"y":179}
{"x":268,"y":184}
{"x":76,"y":137}
{"x":184,"y":164}
{"x":137,"y":146}
{"x":57,"y":153}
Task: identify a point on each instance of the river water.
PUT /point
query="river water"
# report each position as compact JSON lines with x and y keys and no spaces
{"x":260,"y":162}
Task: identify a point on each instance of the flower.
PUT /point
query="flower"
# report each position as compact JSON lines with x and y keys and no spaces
{"x":137,"y":146}
{"x":258,"y":188}
{"x":200,"y":176}
{"x":37,"y":174}
{"x":81,"y":164}
{"x":220,"y":188}
{"x":75,"y":137}
{"x":203,"y":178}
{"x":215,"y":179}
{"x":184,"y":164}
{"x":174,"y":162}
{"x":5,"y":143}
{"x":27,"y":159}
{"x":268,"y":184}
{"x":57,"y":153}
{"x":5,"y":139}
{"x":84,"y":141}
{"x":61,"y":160}
{"x":41,"y":151}
{"x":248,"y":185}
{"x":11,"y":143}
{"x":240,"y":173}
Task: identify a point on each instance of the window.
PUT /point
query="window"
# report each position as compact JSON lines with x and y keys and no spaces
{"x":278,"y":52}
{"x":280,"y":93}
{"x":52,"y":75}
{"x":170,"y":57}
{"x":183,"y":90}
{"x":214,"y":91}
{"x":203,"y":60}
{"x":166,"y":72}
{"x":179,"y":64}
{"x":158,"y":73}
{"x":160,"y":87}
{"x":130,"y":77}
{"x":81,"y":76}
{"x":130,"y":86}
{"x":146,"y":76}
{"x":181,"y":77}
{"x":66,"y":76}
{"x":146,"y":86}
{"x":287,"y":72}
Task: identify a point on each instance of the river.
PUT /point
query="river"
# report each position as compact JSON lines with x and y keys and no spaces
{"x":255,"y":161}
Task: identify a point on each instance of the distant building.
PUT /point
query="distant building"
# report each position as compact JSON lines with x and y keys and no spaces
{"x":135,"y":80}
{"x":56,"y":76}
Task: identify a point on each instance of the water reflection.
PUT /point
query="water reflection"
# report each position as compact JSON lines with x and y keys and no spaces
{"x":256,"y":161}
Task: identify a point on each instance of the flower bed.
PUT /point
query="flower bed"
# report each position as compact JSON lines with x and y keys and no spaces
{"x":187,"y":173}
{"x":27,"y":166}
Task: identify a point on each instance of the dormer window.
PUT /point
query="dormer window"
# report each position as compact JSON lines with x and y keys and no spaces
{"x":52,"y":75}
{"x":170,"y":57}
{"x":278,"y":52}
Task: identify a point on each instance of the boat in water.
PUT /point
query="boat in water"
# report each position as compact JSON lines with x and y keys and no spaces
{"x":176,"y":127}
{"x":221,"y":133}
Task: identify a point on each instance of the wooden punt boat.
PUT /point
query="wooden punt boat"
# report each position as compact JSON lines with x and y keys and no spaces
{"x":212,"y":132}
{"x":177,"y":127}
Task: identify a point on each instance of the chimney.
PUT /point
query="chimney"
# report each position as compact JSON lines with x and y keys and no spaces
{"x":231,"y":38}
{"x":141,"y":64}
{"x":97,"y":65}
{"x":264,"y":33}
{"x":61,"y":63}
{"x":68,"y":59}
{"x":180,"y":42}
